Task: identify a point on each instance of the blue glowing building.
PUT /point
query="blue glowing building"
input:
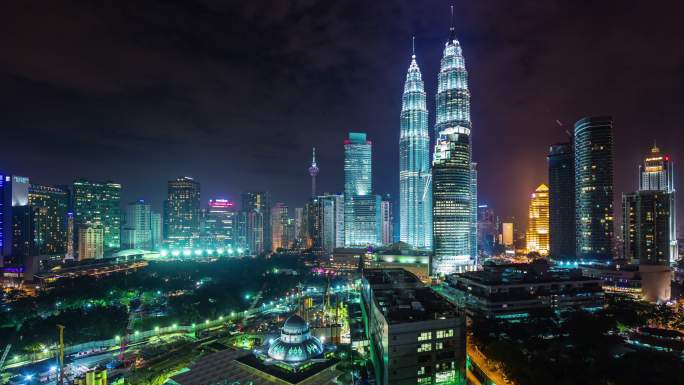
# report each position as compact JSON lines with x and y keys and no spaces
{"x":415,"y":189}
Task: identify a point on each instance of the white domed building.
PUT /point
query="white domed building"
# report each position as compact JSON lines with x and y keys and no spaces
{"x":295,"y":344}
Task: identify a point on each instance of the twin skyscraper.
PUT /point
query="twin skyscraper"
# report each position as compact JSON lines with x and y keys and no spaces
{"x":438,"y":204}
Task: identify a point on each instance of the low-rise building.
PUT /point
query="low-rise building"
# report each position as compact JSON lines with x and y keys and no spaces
{"x":518,"y":291}
{"x":652,"y":283}
{"x":416,"y":336}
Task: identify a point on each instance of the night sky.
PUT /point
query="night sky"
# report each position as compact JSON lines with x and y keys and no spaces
{"x":235,"y":93}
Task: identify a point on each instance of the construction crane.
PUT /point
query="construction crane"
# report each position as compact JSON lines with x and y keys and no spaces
{"x":4,"y":356}
{"x":61,"y":354}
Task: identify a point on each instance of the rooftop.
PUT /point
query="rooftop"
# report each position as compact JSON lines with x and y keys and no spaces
{"x":390,"y":278}
{"x":523,"y":273}
{"x":403,"y":298}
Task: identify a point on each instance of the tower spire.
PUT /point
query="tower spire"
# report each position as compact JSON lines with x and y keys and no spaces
{"x":452,"y":30}
{"x":452,"y":17}
{"x":413,"y":47}
{"x":313,"y":171}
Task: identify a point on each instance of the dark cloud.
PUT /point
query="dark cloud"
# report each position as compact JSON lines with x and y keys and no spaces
{"x":236,"y":93}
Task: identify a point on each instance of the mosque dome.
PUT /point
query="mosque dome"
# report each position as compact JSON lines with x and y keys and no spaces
{"x":295,"y":344}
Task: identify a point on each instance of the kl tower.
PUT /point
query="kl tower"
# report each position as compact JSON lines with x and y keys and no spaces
{"x":313,"y":171}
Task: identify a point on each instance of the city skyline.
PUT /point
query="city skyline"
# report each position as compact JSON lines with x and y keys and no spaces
{"x":428,"y":193}
{"x":184,"y":142}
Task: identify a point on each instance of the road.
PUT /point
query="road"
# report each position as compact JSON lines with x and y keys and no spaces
{"x":45,"y":371}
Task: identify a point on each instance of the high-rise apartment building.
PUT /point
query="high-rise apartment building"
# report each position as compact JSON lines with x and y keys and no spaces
{"x":313,"y":215}
{"x":538,"y":221}
{"x":454,"y":176}
{"x":99,"y":202}
{"x":279,"y":219}
{"x":299,"y":226}
{"x":332,"y":221}
{"x":70,"y":236}
{"x":593,"y":143}
{"x":327,"y":220}
{"x":182,"y":213}
{"x":486,"y":230}
{"x":48,"y":206}
{"x":561,"y":163}
{"x":260,"y":201}
{"x":255,"y":231}
{"x":90,"y":241}
{"x":387,"y":220}
{"x":13,"y":196}
{"x":646,"y":227}
{"x":507,"y":234}
{"x":415,"y":195}
{"x":657,"y":174}
{"x":156,"y":233}
{"x":362,"y":220}
{"x":137,"y":229}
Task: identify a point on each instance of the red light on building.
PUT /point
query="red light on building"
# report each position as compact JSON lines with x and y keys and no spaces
{"x":220,"y":203}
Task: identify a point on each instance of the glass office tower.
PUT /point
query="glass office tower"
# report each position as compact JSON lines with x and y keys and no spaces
{"x":594,"y":188}
{"x":99,"y":202}
{"x":657,"y":174}
{"x":454,"y":176}
{"x":182,"y":213}
{"x":561,"y":160}
{"x":362,"y":220}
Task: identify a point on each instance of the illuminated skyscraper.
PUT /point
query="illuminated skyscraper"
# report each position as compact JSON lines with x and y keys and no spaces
{"x":218,"y":231}
{"x":313,"y":214}
{"x":561,"y":161}
{"x":259,"y":202}
{"x":332,"y":221}
{"x":182,"y":213}
{"x":156,"y":230}
{"x":538,"y":221}
{"x":507,"y":235}
{"x":387,"y":219}
{"x":99,"y":202}
{"x":90,"y":241}
{"x":13,"y":197}
{"x":593,"y":142}
{"x":454,"y":189}
{"x":486,"y":230}
{"x":279,"y":220}
{"x":657,"y":174}
{"x":646,"y":227}
{"x":49,"y":207}
{"x":473,"y":211}
{"x":415,"y":189}
{"x":137,"y":231}
{"x":361,"y":207}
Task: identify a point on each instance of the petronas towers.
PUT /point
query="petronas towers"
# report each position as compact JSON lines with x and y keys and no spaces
{"x":415,"y":197}
{"x":438,"y":207}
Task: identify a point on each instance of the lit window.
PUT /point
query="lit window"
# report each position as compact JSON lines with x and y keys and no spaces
{"x":426,"y":347}
{"x":424,"y":336}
